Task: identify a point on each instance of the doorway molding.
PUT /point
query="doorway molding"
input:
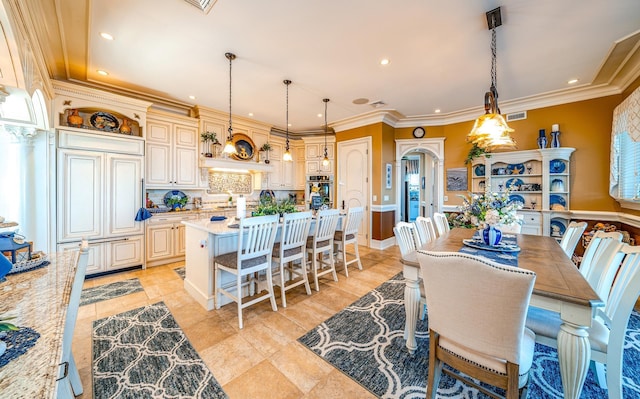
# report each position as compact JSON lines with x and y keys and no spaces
{"x":435,"y":148}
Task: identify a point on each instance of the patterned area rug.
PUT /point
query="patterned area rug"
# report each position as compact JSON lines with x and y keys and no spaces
{"x":365,"y":341}
{"x":109,"y":291}
{"x":143,"y":353}
{"x":181,"y":272}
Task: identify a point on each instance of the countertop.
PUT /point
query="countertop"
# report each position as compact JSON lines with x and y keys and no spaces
{"x":38,"y":299}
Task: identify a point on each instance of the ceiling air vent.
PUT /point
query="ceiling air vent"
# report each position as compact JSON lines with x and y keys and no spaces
{"x":517,"y":116}
{"x":377,"y":104}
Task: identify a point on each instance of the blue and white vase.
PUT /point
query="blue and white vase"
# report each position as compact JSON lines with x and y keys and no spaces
{"x":491,"y":236}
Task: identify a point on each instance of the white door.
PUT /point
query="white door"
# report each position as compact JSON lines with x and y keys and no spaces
{"x":80,"y":195}
{"x":124,"y":191}
{"x":353,"y":180}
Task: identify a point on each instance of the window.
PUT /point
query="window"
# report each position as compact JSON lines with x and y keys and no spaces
{"x":624,"y":183}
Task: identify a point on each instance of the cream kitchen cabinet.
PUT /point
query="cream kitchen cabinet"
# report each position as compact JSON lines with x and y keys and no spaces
{"x":299,"y":166}
{"x":171,"y":151}
{"x":314,"y":155}
{"x":111,"y":255}
{"x":165,"y":238}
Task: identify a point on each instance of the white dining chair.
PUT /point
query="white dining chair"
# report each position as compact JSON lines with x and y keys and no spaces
{"x":425,"y":229}
{"x":322,"y":242}
{"x":467,"y":333}
{"x":347,"y":236}
{"x":594,"y":265}
{"x":572,"y":236}
{"x":513,"y":228}
{"x":290,"y":252}
{"x":608,"y":327}
{"x":441,"y":222}
{"x":407,"y":239}
{"x":69,"y":384}
{"x":256,"y":237}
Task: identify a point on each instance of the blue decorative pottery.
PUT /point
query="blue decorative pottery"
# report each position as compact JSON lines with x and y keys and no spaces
{"x":491,"y":236}
{"x":555,"y":139}
{"x":542,"y":139}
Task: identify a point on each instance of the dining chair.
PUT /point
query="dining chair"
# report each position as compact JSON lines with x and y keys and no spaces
{"x":571,"y":237}
{"x":594,"y":264}
{"x":291,"y":249}
{"x":407,"y":240}
{"x":513,"y":228}
{"x":69,"y":384}
{"x":424,"y":228}
{"x":465,"y":330}
{"x":322,"y":242}
{"x":608,"y":327}
{"x":256,"y":237}
{"x":441,"y":222}
{"x":349,"y":235}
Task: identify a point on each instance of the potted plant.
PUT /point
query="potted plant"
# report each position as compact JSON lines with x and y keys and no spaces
{"x":176,"y":203}
{"x":475,"y":152}
{"x":266,"y":147}
{"x":209,"y":139}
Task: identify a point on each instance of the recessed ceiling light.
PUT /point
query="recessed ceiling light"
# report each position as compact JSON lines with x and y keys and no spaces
{"x":289,"y":125}
{"x":319,"y":115}
{"x":103,"y":73}
{"x":250,"y":113}
{"x":106,"y":36}
{"x":437,"y":110}
{"x":192,"y":97}
{"x":384,"y":61}
{"x":573,"y":81}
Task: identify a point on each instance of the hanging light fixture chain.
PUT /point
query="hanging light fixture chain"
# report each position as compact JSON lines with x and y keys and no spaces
{"x":326,"y":101}
{"x":287,"y":82}
{"x":493,"y":59}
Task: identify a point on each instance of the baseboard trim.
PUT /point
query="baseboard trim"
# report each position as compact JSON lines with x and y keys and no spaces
{"x":383,"y":244}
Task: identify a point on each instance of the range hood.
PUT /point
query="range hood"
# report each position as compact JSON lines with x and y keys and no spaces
{"x":231,"y":165}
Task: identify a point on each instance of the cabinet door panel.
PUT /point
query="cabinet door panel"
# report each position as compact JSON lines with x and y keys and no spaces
{"x":125,"y":253}
{"x":186,"y":166}
{"x":186,"y":136}
{"x":124,"y":190}
{"x":158,"y":170}
{"x":159,"y":242}
{"x":180,"y":240}
{"x":80,"y":206}
{"x":95,"y":259}
{"x":159,"y":132}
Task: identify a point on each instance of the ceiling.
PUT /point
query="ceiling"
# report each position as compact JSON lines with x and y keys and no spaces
{"x":439,"y":54}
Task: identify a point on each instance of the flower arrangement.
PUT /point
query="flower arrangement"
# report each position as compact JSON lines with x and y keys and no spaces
{"x":489,"y":209}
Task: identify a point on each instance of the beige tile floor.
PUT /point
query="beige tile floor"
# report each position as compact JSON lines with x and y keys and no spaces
{"x":263,"y":360}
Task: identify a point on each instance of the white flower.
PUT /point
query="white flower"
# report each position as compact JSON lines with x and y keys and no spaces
{"x":492,"y":217}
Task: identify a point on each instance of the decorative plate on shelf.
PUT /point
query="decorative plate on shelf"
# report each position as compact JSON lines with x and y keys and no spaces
{"x":515,"y":169}
{"x":517,"y":198}
{"x":479,"y":170}
{"x":556,"y":166}
{"x":104,"y":121}
{"x":245,"y":149}
{"x":557,"y":228}
{"x":174,"y":194}
{"x":557,"y":199}
{"x":514,"y":183}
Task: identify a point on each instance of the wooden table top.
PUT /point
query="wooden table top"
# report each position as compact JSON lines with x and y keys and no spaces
{"x":556,"y":275}
{"x":39,"y":299}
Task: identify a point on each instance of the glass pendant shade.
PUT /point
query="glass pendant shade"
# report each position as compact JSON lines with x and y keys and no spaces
{"x":229,"y":148}
{"x":325,"y":161}
{"x":287,"y":156}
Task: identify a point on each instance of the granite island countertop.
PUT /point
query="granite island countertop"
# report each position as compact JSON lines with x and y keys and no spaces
{"x":38,"y":299}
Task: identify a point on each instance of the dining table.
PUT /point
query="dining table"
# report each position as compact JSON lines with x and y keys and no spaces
{"x":559,"y":287}
{"x":38,"y":300}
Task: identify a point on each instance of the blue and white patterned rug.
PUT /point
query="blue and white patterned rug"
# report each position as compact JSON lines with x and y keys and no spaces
{"x":365,"y":341}
{"x":180,"y":271}
{"x":143,"y":353}
{"x":109,"y":291}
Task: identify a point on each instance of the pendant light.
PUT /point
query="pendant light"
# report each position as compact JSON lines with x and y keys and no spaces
{"x":490,"y":131}
{"x":325,"y":160}
{"x":229,"y":148}
{"x":287,"y":154}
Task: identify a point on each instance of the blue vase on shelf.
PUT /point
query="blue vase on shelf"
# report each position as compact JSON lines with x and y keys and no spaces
{"x":491,"y":236}
{"x":555,"y":139}
{"x":542,"y":139}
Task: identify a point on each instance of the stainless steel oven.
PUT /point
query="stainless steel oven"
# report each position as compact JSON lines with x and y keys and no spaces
{"x":322,"y":187}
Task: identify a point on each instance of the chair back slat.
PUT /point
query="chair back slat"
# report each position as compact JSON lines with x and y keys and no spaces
{"x":406,"y":237}
{"x":441,"y":222}
{"x":572,"y":236}
{"x":326,"y":224}
{"x":354,"y":219}
{"x":295,"y":230}
{"x":625,"y":289}
{"x":425,"y":230}
{"x":256,"y":236}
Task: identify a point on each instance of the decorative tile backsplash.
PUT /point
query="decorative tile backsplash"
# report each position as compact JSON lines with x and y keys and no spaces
{"x":222,"y":183}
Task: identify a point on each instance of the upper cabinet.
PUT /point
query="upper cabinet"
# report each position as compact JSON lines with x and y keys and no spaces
{"x":171,"y":151}
{"x":314,"y":155}
{"x":538,"y":179}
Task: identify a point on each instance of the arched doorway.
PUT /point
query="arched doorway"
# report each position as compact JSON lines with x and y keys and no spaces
{"x":426,"y":176}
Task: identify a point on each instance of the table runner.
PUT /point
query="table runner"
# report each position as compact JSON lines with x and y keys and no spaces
{"x":502,"y":257}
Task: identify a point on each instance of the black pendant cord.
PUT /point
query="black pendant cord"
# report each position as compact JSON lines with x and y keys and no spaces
{"x":287,"y":82}
{"x":494,"y":83}
{"x":230,"y":57}
{"x":326,"y":101}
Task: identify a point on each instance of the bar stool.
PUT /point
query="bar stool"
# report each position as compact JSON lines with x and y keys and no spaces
{"x":255,"y":247}
{"x":321,"y":242}
{"x":349,"y":235}
{"x":291,"y":248}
